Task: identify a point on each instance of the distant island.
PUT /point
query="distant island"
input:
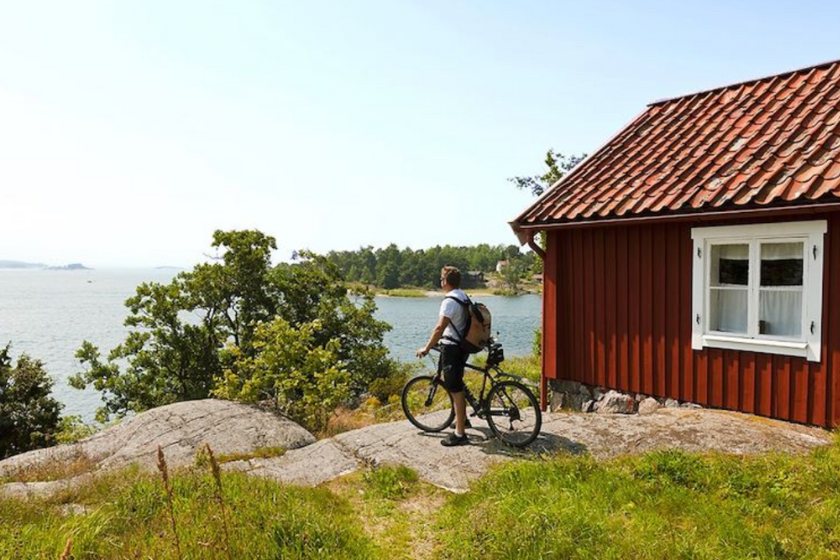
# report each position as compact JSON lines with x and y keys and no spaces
{"x":72,"y":266}
{"x":20,"y":264}
{"x":7,"y":264}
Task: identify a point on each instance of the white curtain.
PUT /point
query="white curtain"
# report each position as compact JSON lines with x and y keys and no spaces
{"x":728,"y":311}
{"x":781,"y":251}
{"x":780,"y":312}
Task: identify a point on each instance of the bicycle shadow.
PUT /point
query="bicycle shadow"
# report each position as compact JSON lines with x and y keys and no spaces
{"x":546,"y":444}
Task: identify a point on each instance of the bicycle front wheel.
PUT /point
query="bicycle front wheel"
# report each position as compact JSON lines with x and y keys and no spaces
{"x":427,"y":404}
{"x":513,"y":413}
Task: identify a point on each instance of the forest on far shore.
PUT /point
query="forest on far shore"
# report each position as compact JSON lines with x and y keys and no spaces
{"x":391,"y":267}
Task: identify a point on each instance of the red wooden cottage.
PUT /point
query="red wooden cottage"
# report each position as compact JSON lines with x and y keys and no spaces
{"x":696,"y":255}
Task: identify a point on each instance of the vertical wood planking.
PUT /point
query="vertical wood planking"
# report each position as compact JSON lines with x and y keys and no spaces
{"x":687,"y":382}
{"x":746,"y":400}
{"x":701,"y":374}
{"x":634,"y":301}
{"x":715,"y":377}
{"x":600,"y":312}
{"x":550,"y":308}
{"x":832,"y":359}
{"x":764,"y":384}
{"x":646,"y":311}
{"x":781,"y":382}
{"x":799,"y":385}
{"x":731,"y":384}
{"x":610,"y":303}
{"x":580,"y":293}
{"x":672,"y":310}
{"x":660,"y":265}
{"x":589,"y":324}
{"x":622,"y":308}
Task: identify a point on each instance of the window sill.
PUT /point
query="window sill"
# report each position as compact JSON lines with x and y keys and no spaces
{"x":766,"y":346}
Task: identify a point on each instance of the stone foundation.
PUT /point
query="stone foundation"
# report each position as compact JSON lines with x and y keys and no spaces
{"x":578,"y":397}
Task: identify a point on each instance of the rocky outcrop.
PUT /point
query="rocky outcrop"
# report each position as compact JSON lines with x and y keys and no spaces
{"x":230,"y":428}
{"x":180,"y":429}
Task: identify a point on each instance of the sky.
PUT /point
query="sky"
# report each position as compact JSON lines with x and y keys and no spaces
{"x":131,"y":131}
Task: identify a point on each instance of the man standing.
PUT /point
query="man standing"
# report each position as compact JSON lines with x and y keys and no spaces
{"x":448,"y":331}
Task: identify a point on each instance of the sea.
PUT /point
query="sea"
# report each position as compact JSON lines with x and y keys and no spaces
{"x":48,"y":313}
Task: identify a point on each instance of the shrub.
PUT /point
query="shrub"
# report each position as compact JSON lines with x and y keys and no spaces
{"x":303,"y":379}
{"x":29,"y":415}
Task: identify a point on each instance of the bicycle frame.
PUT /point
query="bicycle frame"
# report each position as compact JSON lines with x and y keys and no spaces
{"x":477,"y":405}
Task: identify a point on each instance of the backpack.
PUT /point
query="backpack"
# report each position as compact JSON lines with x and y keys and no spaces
{"x":476,"y":335}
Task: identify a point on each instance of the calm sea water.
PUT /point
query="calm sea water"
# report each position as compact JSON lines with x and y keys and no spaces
{"x":48,"y":314}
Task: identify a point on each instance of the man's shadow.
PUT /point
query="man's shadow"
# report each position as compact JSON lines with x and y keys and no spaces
{"x":546,"y":443}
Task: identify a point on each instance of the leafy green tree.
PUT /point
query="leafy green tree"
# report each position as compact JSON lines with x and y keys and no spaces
{"x":513,"y":274}
{"x":184,"y":335}
{"x":29,"y":415}
{"x":303,"y":378}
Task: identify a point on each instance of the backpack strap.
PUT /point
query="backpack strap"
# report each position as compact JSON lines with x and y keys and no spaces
{"x":463,"y":304}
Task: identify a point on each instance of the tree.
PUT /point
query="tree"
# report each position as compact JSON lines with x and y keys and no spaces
{"x":302,"y":377}
{"x":186,"y":334}
{"x":29,"y":415}
{"x":513,"y":274}
{"x":558,"y":166}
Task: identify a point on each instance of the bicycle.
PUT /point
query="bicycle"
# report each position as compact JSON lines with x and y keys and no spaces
{"x":509,"y":407}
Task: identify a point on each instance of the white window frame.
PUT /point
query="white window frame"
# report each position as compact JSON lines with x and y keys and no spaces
{"x":812,"y":234}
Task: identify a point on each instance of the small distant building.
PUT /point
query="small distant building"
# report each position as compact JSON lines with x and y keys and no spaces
{"x":696,"y":255}
{"x":472,"y":279}
{"x":501,"y":265}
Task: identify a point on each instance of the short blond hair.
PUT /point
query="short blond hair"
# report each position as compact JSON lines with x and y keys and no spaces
{"x":452,"y":276}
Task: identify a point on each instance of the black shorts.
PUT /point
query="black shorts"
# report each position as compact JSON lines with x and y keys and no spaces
{"x":452,"y":360}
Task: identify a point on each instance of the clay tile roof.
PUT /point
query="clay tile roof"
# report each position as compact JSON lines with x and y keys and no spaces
{"x":773,"y":140}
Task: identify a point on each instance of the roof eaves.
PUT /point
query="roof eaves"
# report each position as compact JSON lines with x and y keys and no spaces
{"x":576,"y":169}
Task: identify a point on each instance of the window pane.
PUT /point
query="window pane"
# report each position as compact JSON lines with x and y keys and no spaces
{"x":781,"y":264}
{"x":730,"y":265}
{"x":728,"y":310}
{"x":780,"y":313}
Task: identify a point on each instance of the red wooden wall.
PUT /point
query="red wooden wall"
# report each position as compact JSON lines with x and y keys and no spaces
{"x":617,"y":313}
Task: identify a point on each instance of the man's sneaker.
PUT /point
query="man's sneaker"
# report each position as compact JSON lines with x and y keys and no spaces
{"x":452,"y":440}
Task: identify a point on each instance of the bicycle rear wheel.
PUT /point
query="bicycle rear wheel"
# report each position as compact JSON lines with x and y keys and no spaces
{"x":427,"y":404}
{"x":513,"y":413}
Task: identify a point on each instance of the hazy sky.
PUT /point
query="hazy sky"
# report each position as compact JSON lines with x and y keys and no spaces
{"x":130,"y":131}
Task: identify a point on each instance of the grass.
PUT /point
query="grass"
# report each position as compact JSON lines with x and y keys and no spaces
{"x":265,"y":520}
{"x":667,"y":504}
{"x":51,"y":470}
{"x":661,"y":505}
{"x":404,"y":292}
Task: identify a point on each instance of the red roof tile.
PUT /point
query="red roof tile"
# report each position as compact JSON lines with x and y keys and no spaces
{"x":768,"y":141}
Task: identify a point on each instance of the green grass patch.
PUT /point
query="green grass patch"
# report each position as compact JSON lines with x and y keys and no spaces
{"x":404,"y":292}
{"x":262,"y":453}
{"x":390,"y":482}
{"x":264,"y":519}
{"x":667,"y":504}
{"x":528,"y":367}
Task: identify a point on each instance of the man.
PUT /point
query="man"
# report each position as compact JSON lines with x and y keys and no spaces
{"x":451,"y":325}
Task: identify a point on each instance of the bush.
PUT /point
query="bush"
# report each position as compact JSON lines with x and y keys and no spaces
{"x":29,"y":415}
{"x":303,"y":378}
{"x":392,"y":383}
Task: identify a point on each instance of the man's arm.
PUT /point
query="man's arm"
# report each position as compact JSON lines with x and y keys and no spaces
{"x":437,"y":333}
